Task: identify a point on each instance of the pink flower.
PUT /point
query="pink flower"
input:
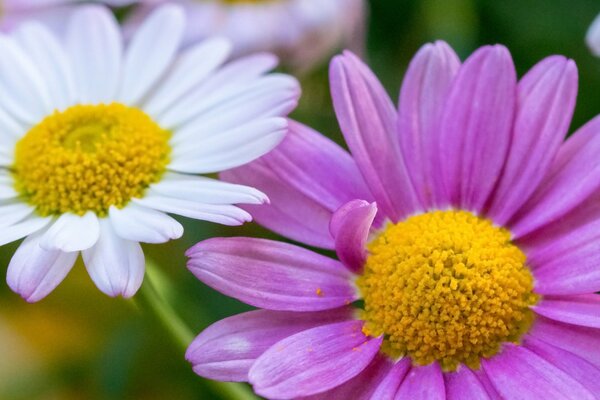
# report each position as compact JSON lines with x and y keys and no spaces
{"x":462,"y":221}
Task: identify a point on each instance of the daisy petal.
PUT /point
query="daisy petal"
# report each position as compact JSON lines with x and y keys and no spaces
{"x":206,"y":190}
{"x":362,"y":386}
{"x":271,"y":274}
{"x":350,"y":226}
{"x":572,"y":179}
{"x":422,"y":98}
{"x":291,"y":212}
{"x":12,"y":213}
{"x":227,"y":349}
{"x":423,"y":383}
{"x":230,"y":149}
{"x":545,"y":104}
{"x":368,"y":120}
{"x":313,"y":361}
{"x":151,"y":51}
{"x":10,"y":130}
{"x":476,"y":127}
{"x":23,"y":228}
{"x":583,"y":310}
{"x":584,"y":372}
{"x":46,"y":51}
{"x":115,"y":265}
{"x":34,"y":272}
{"x":513,"y":371}
{"x":389,"y":385}
{"x":29,"y":99}
{"x":94,"y":45}
{"x":192,"y":67}
{"x":219,"y":213}
{"x":141,"y":224}
{"x":72,"y":232}
{"x":7,"y":186}
{"x":463,"y":384}
{"x":579,"y":340}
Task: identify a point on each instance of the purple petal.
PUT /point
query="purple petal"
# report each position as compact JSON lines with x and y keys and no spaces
{"x":573,"y":178}
{"x":362,"y":386}
{"x":350,"y":226}
{"x":290,"y":213}
{"x":368,"y":120}
{"x":464,"y":384}
{"x":422,"y":98}
{"x":487,"y":384}
{"x":581,"y":310}
{"x":579,"y":340}
{"x":313,"y":361}
{"x":423,"y":383}
{"x":476,"y":127}
{"x":579,"y":369}
{"x":226,"y":350}
{"x":545,"y":104}
{"x":518,"y":373}
{"x":272,"y":275}
{"x":388,"y":387}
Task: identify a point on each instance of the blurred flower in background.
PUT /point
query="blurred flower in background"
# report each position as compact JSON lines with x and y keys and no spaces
{"x":301,"y":32}
{"x":51,"y":12}
{"x":592,"y":37}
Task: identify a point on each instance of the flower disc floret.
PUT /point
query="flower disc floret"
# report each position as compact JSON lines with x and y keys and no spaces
{"x":446,"y":286}
{"x":88,"y":158}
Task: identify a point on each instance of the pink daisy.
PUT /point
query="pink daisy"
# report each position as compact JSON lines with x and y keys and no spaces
{"x":466,"y":234}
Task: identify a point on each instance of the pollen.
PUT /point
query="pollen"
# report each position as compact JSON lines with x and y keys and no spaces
{"x":446,"y":286}
{"x":88,"y":158}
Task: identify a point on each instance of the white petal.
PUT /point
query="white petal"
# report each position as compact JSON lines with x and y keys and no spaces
{"x":24,"y":93}
{"x":34,"y":272}
{"x":94,"y":46}
{"x":22,"y":229}
{"x":115,"y":265}
{"x":259,"y":102}
{"x":12,"y":213}
{"x":72,"y":232}
{"x":230,"y":149}
{"x":151,"y":51}
{"x":9,"y":127}
{"x":219,"y":87}
{"x":7,"y":190}
{"x":206,"y":190}
{"x":141,"y":224}
{"x":45,"y":51}
{"x":592,"y":37}
{"x":222,"y":214}
{"x":189,"y":70}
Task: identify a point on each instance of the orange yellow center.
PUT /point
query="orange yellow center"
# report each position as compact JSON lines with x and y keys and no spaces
{"x":88,"y":158}
{"x":446,"y":286}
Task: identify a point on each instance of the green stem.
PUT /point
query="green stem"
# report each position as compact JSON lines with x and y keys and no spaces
{"x":182,"y":334}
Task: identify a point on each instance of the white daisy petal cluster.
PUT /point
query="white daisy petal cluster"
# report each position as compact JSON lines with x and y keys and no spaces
{"x":99,"y":142}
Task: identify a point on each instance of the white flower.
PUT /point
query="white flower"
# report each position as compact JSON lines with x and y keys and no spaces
{"x":98,"y":143}
{"x":593,"y":36}
{"x":301,"y":32}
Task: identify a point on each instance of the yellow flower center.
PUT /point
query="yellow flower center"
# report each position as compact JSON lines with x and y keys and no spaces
{"x":446,"y":286}
{"x":88,"y":158}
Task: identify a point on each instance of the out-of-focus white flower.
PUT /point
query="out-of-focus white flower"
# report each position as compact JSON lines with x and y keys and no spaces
{"x":301,"y":32}
{"x":593,"y":36}
{"x":99,"y":143}
{"x":53,"y":13}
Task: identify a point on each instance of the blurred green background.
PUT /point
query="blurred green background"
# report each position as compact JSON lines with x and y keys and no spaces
{"x":80,"y":344}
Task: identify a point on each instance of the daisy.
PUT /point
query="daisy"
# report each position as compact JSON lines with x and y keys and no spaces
{"x":99,"y":143}
{"x":465,"y":234}
{"x":592,"y":37}
{"x":301,"y":32}
{"x":51,"y":12}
